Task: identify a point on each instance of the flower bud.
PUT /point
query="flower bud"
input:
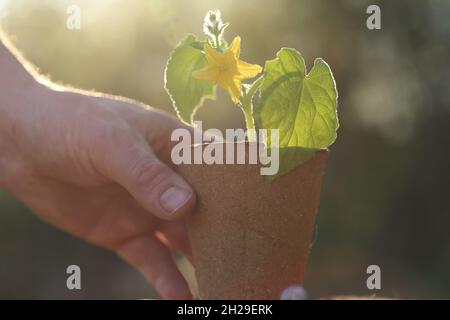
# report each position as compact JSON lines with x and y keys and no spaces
{"x":213,"y":27}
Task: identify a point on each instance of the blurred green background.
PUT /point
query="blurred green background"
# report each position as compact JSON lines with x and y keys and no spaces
{"x":385,"y":195}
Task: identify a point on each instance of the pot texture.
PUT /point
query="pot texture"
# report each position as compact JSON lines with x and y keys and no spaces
{"x":251,"y":238}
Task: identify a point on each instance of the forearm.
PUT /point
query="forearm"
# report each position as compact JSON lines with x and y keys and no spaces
{"x":16,"y":84}
{"x":14,"y":78}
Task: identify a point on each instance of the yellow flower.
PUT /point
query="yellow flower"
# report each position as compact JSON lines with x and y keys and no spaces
{"x":226,"y":70}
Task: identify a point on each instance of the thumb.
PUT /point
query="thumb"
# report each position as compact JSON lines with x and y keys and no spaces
{"x":153,"y":184}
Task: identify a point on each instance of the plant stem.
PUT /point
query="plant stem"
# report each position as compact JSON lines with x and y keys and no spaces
{"x":250,"y":122}
{"x":217,"y":41}
{"x":247,"y":109}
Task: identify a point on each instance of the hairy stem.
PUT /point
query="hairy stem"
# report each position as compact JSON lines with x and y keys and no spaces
{"x":247,"y":108}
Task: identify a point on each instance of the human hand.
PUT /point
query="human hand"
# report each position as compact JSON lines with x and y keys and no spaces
{"x":100,"y":169}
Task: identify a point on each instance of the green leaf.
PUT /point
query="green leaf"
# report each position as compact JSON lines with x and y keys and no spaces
{"x":302,"y":106}
{"x":187,"y":93}
{"x":290,"y":158}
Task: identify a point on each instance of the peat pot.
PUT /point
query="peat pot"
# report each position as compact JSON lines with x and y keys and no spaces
{"x":250,"y":238}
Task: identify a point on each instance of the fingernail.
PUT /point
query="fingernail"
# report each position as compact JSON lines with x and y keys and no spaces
{"x":174,"y":198}
{"x":294,"y":293}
